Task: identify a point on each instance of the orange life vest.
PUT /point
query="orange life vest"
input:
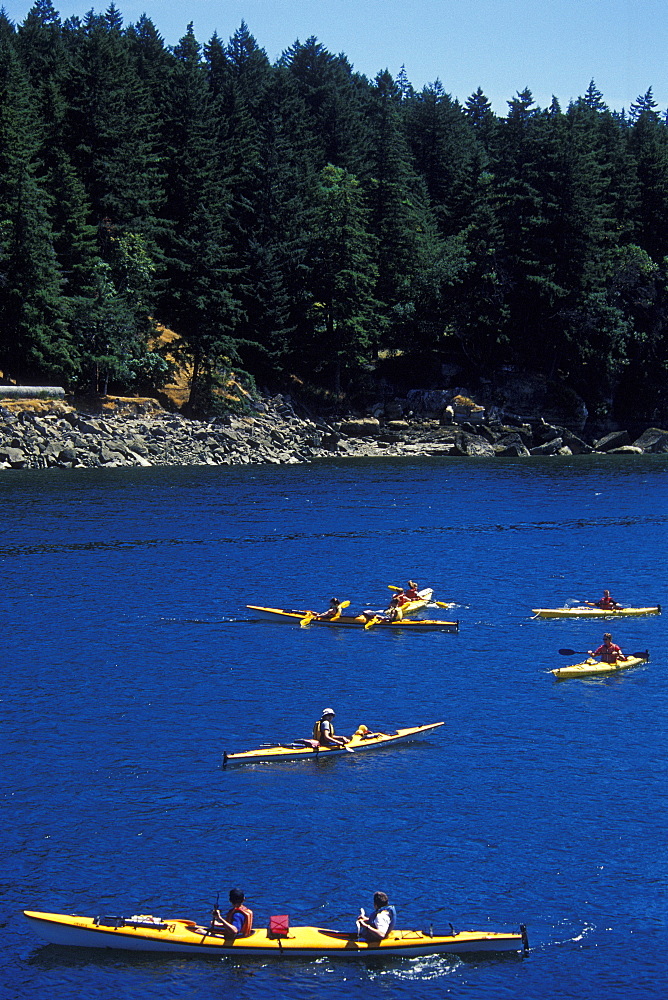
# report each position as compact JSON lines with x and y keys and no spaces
{"x":247,"y":925}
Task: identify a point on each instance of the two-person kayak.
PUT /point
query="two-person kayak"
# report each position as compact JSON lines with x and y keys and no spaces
{"x":144,"y":932}
{"x":301,"y":749}
{"x":598,"y":668}
{"x":353,"y":621}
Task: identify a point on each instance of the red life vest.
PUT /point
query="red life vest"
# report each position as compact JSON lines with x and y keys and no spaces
{"x":247,"y":925}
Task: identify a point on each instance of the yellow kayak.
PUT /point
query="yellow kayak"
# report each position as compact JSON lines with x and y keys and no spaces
{"x":583,"y":612}
{"x":597,"y":668}
{"x":301,"y":749}
{"x":420,"y":602}
{"x":144,"y":932}
{"x":353,"y":621}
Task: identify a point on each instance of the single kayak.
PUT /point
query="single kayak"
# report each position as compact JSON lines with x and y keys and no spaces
{"x":185,"y":937}
{"x":421,"y":601}
{"x":597,"y":668}
{"x":582,"y":612}
{"x":360,"y":740}
{"x":350,"y":621}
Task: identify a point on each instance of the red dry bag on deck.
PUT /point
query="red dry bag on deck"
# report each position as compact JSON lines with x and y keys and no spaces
{"x":279,"y":926}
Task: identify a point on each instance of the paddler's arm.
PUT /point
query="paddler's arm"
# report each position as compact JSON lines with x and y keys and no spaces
{"x":219,"y":923}
{"x":335,"y":741}
{"x":369,"y":929}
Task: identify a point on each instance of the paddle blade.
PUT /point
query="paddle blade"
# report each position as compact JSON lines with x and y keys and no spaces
{"x":306,"y":619}
{"x":371,"y":622}
{"x":572,"y":652}
{"x":444,"y":604}
{"x":390,"y":587}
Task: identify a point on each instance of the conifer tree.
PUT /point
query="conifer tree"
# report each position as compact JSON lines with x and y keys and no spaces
{"x":446,"y":153}
{"x":201,"y":299}
{"x":33,"y":332}
{"x":648,"y":143}
{"x":334,"y":100}
{"x":343,"y":274}
{"x":399,"y":215}
{"x":111,"y":129}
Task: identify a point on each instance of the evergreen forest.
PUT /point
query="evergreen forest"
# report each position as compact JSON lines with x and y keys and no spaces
{"x":296,"y":223}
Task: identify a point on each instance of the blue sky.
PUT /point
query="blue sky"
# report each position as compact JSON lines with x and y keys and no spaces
{"x":554,"y":47}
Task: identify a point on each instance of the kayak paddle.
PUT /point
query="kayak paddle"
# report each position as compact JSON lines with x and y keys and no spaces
{"x":310,"y":615}
{"x":583,"y":652}
{"x":371,"y":622}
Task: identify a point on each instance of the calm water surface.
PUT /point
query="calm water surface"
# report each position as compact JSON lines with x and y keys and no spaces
{"x":131,"y":663}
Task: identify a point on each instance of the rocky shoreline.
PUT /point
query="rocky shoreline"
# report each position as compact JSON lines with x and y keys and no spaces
{"x":122,"y":432}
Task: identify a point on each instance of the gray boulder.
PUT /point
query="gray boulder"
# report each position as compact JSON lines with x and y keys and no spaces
{"x":473,"y":445}
{"x":617,"y":439}
{"x":361,"y":427}
{"x":15,"y":457}
{"x":511,"y":446}
{"x":652,"y":440}
{"x":548,"y":448}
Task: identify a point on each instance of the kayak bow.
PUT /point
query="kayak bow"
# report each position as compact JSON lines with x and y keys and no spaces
{"x":299,"y":751}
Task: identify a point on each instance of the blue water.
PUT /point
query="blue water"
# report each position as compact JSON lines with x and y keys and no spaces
{"x":130,"y":664}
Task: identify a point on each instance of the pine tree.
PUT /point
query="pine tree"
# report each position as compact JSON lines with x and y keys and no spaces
{"x":201,"y":299}
{"x":343,"y":274}
{"x":34,"y":339}
{"x":334,"y":99}
{"x":111,"y":127}
{"x":445,"y":152}
{"x":399,"y":216}
{"x":648,"y":144}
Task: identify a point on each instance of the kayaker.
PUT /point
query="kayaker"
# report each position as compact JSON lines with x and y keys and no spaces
{"x":323,"y":730}
{"x":411,"y":591}
{"x":394,"y":612}
{"x":332,"y":610}
{"x":378,"y":924}
{"x":608,"y":651}
{"x":237,"y":922}
{"x":607,"y":603}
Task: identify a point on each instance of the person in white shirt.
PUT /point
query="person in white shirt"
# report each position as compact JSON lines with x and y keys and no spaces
{"x":378,"y":924}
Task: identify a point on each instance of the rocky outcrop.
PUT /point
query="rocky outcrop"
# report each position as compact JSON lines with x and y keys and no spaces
{"x":653,"y":440}
{"x":128,"y":432}
{"x":617,"y":439}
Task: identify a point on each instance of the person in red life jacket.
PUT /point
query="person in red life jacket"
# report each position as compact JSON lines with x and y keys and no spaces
{"x":398,"y":601}
{"x":411,"y":591}
{"x":323,"y":730}
{"x":608,"y":651}
{"x":380,"y":922}
{"x":607,"y":603}
{"x":237,"y":922}
{"x":332,"y":610}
